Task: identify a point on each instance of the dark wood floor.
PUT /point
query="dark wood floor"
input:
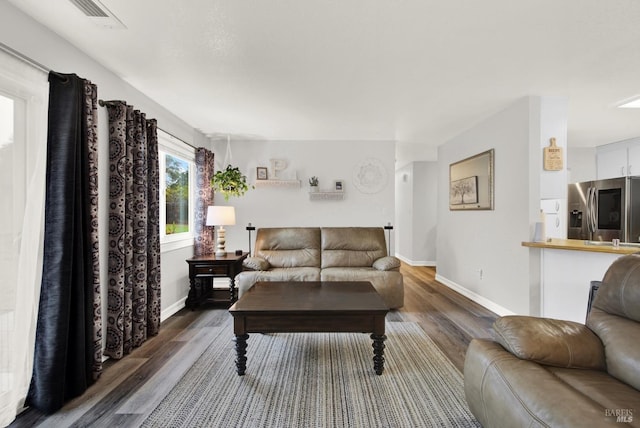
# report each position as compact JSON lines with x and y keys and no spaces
{"x":450,"y":319}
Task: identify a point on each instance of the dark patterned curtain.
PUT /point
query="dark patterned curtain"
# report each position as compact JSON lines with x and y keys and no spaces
{"x":134,"y":233}
{"x":204,"y":174}
{"x":68,"y":350}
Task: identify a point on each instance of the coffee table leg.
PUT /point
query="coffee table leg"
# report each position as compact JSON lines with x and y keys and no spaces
{"x":241,"y":352}
{"x":378,"y":352}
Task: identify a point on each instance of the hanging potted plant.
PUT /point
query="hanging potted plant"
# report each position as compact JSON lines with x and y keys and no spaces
{"x":230,"y":182}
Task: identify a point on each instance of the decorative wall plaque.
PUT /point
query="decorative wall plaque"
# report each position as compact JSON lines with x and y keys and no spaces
{"x":553,"y":157}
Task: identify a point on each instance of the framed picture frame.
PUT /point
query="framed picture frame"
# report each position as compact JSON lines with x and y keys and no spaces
{"x":262,"y":173}
{"x":471,"y":183}
{"x":338,"y":185}
{"x":464,"y":191}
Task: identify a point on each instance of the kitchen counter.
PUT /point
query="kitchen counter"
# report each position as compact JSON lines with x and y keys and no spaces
{"x":581,"y":245}
{"x":567,"y":267}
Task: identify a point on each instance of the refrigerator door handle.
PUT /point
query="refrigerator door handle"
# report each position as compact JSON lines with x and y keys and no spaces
{"x":589,"y":210}
{"x":593,"y":212}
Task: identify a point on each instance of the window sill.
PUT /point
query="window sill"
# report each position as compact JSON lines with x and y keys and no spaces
{"x":176,"y":245}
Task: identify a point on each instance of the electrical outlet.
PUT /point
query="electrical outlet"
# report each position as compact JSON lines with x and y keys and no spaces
{"x":480,"y":273}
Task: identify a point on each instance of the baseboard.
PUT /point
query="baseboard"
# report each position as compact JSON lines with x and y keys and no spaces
{"x":172,"y":309}
{"x":483,"y":301}
{"x":416,"y":262}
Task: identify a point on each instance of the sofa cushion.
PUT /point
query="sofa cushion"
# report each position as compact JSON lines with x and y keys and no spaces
{"x":289,"y":247}
{"x":549,"y":341}
{"x":387,"y":263}
{"x":619,"y":293}
{"x":388,"y":284}
{"x":256,"y":263}
{"x":621,"y":344}
{"x":352,"y":246}
{"x":245,"y":280}
{"x":600,"y":387}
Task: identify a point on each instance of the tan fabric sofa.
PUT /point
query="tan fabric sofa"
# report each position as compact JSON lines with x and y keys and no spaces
{"x":549,"y":373}
{"x":324,"y":254}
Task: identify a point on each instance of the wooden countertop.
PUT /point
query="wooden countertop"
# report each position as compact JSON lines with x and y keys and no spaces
{"x":580,"y":245}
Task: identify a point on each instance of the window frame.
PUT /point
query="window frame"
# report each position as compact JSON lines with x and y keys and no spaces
{"x":170,"y":145}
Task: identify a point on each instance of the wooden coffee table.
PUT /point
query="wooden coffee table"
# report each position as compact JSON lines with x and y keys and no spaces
{"x":299,"y":307}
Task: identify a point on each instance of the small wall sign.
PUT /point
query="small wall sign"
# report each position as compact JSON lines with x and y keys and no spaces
{"x":553,"y":157}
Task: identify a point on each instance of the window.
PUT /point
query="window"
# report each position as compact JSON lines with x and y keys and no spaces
{"x":177,"y":191}
{"x":23,"y":147}
{"x":9,"y":235}
{"x":176,"y":195}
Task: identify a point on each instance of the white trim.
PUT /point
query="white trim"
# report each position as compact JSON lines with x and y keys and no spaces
{"x":173,"y":309}
{"x":176,"y":245}
{"x":175,"y":146}
{"x":430,"y":263}
{"x":493,"y":307}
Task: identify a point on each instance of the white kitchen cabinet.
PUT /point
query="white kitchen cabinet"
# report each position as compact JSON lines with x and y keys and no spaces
{"x":620,"y":159}
{"x":633,"y":161}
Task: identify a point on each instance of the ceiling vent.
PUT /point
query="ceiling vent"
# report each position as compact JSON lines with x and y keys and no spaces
{"x":98,"y":13}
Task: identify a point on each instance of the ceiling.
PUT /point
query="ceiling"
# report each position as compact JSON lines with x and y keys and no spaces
{"x":414,"y":71}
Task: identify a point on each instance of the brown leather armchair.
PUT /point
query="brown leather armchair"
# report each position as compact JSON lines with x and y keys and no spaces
{"x":542,"y":372}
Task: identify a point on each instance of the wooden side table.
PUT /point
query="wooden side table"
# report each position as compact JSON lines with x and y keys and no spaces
{"x":202,"y":270}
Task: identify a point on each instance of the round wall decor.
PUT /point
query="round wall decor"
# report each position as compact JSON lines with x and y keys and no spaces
{"x":370,"y":176}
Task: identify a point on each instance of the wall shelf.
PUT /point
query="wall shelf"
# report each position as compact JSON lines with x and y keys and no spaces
{"x":326,"y":196}
{"x":277,"y":183}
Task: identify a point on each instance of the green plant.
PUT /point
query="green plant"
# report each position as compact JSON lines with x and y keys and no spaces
{"x":230,"y":182}
{"x":313,"y":181}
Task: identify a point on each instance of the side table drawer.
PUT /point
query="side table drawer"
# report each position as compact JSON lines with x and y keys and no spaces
{"x":210,"y":270}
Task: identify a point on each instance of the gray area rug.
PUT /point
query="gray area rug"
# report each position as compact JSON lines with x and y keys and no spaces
{"x":319,"y":380}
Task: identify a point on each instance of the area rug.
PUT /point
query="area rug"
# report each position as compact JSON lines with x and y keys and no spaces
{"x":319,"y":380}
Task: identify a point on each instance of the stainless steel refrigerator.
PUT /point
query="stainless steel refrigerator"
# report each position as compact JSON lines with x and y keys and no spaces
{"x":603,"y":210}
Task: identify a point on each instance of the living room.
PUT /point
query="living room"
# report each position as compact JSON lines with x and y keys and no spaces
{"x":477,"y":253}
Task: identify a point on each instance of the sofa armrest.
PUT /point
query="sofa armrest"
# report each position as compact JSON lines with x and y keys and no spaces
{"x":387,"y":263}
{"x":256,"y":263}
{"x":550,"y":342}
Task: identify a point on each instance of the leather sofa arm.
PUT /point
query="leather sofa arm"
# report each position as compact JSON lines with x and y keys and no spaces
{"x":387,"y":263}
{"x":256,"y":263}
{"x":550,"y":342}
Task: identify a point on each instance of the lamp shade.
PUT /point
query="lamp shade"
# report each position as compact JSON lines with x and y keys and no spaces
{"x":220,"y":216}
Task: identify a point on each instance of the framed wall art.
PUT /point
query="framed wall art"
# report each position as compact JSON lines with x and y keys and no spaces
{"x":471,"y":182}
{"x":261,"y":173}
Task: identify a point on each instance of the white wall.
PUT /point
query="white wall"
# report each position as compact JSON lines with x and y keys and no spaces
{"x":407,"y":153}
{"x":282,"y":207}
{"x":404,"y":213}
{"x":416,"y":213}
{"x":28,"y":37}
{"x":548,"y":120}
{"x":480,"y":252}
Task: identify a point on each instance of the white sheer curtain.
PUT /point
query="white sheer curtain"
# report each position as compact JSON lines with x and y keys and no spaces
{"x":23,"y":136}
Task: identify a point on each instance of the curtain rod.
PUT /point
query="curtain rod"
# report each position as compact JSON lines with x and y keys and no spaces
{"x":104,"y":103}
{"x":23,"y":58}
{"x":14,"y":53}
{"x":32,"y":62}
{"x":179,"y":139}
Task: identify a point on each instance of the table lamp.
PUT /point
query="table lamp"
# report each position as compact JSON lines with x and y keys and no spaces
{"x":220,"y":216}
